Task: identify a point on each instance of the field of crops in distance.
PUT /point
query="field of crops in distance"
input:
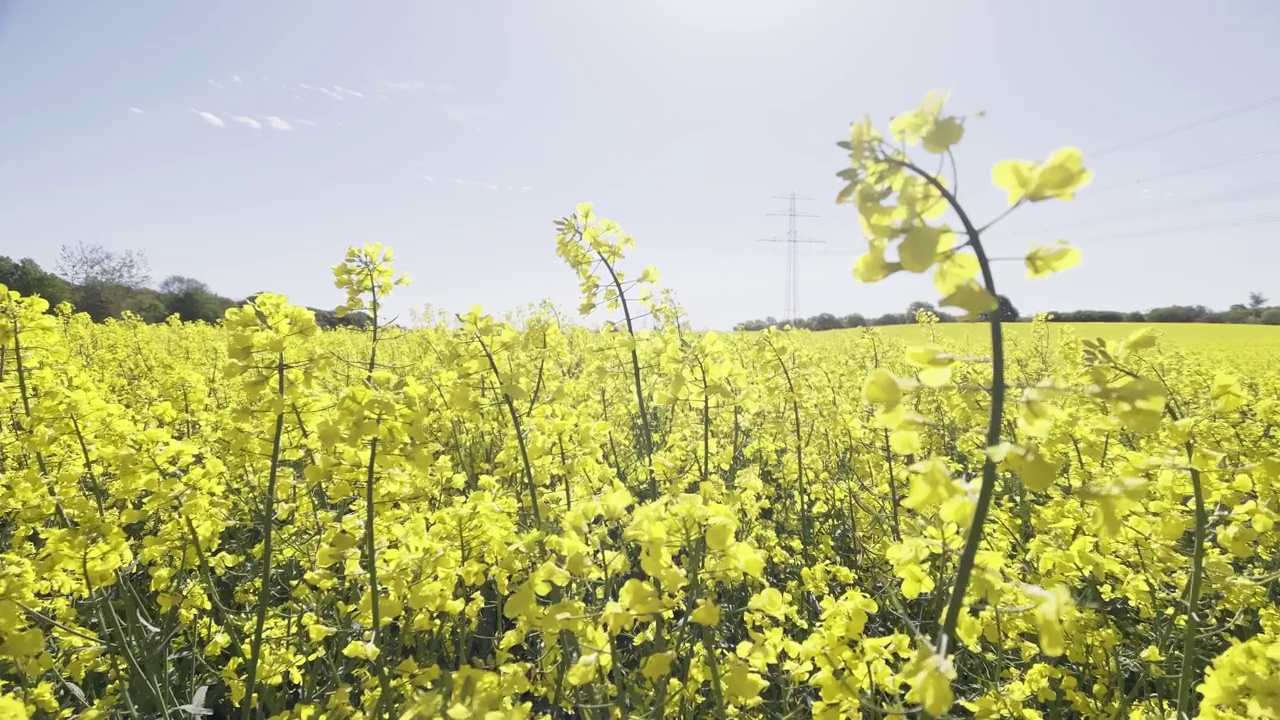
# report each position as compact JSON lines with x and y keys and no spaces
{"x":493,"y":518}
{"x":1233,"y":339}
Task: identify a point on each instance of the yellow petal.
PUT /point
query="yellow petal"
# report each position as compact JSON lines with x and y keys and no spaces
{"x":872,"y":267}
{"x":971,"y":297}
{"x":881,"y":388}
{"x":919,"y":248}
{"x":1015,"y":176}
{"x":1043,"y":261}
{"x":954,"y":270}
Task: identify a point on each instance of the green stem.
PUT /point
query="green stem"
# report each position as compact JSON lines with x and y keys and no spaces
{"x":1185,"y":679}
{"x":519,"y":431}
{"x":22,"y":389}
{"x":717,"y":693}
{"x":706,"y":426}
{"x":371,"y":556}
{"x":265,"y":523}
{"x":893,"y":489}
{"x":645,"y":432}
{"x":806,"y":521}
{"x":947,"y":634}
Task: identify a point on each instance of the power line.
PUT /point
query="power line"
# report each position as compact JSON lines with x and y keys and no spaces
{"x":1222,"y":223}
{"x":1202,"y":46}
{"x":1106,"y":188}
{"x":1210,"y":165}
{"x":1204,"y":200}
{"x":1179,"y":206}
{"x":791,"y":283}
{"x":1245,"y":220}
{"x":1207,"y":120}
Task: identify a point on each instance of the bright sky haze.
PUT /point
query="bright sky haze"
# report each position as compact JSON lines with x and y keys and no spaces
{"x":247,"y":143}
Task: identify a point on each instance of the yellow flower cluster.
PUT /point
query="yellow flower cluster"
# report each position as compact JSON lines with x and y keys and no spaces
{"x":490,"y":517}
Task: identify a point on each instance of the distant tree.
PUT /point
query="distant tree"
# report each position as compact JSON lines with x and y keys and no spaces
{"x":328,"y":319}
{"x":1237,"y":314}
{"x":102,"y":300}
{"x":28,"y":278}
{"x":1257,"y":301}
{"x":1178,"y":314}
{"x":106,"y":283}
{"x":192,"y":300}
{"x":1271,"y":316}
{"x":914,"y":308}
{"x":146,"y":304}
{"x":91,"y":263}
{"x":196,"y":303}
{"x":825,"y":321}
{"x":1008,"y":312}
{"x":175,"y":284}
{"x":1079,"y":316}
{"x":1004,"y":310}
{"x":890,"y":319}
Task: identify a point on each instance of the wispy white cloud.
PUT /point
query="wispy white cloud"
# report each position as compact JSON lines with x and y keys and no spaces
{"x":274,"y":122}
{"x":331,"y":94}
{"x":235,"y":79}
{"x":307,"y":123}
{"x":210,"y":118}
{"x":216,"y":84}
{"x":428,"y":178}
{"x":246,"y":121}
{"x":138,"y":111}
{"x":337,"y":92}
{"x":277,"y":123}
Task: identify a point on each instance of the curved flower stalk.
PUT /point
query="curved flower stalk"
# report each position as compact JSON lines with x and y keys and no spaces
{"x":901,"y":205}
{"x":268,"y":352}
{"x":589,"y":245}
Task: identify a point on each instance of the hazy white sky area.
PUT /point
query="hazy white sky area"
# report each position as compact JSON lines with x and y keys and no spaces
{"x":247,"y":143}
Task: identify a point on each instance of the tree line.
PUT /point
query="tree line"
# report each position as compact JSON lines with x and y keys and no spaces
{"x":1254,"y":311}
{"x":107,"y":284}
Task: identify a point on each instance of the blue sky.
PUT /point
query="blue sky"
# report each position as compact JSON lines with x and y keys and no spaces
{"x":247,"y":143}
